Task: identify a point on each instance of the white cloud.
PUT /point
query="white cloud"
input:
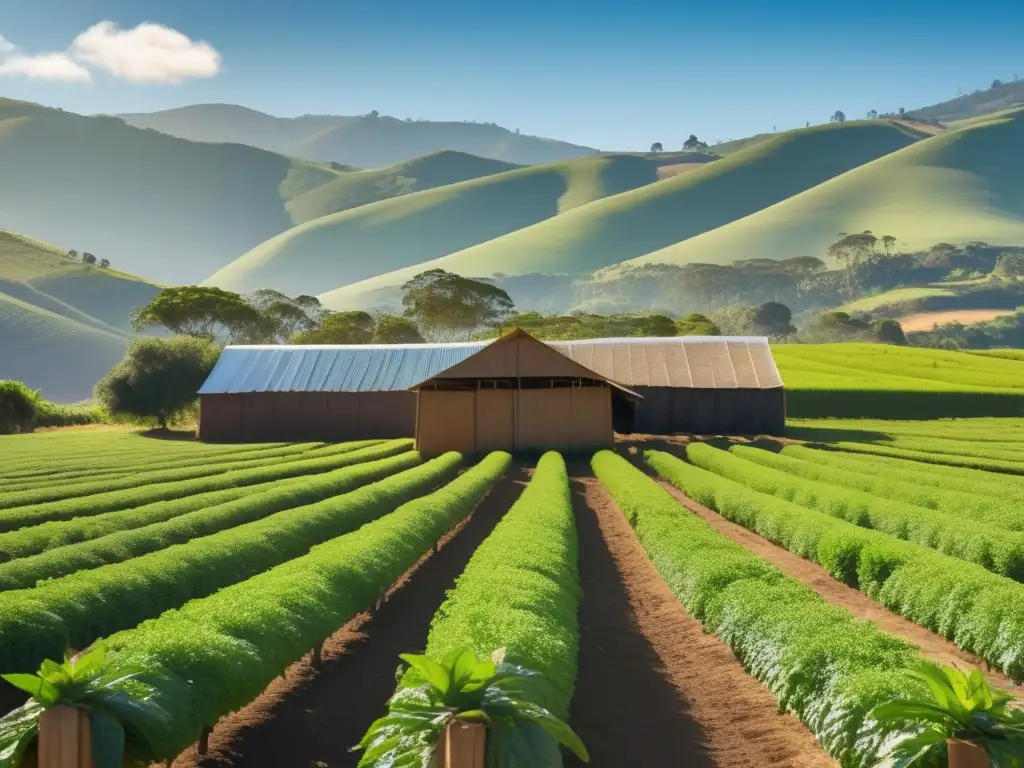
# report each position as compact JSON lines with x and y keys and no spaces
{"x":56,"y":67}
{"x":148,"y":53}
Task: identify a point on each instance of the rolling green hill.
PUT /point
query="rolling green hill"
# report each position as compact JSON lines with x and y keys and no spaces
{"x":414,"y":228}
{"x":369,"y":141}
{"x":62,"y":324}
{"x":154,"y":205}
{"x":636,"y":222}
{"x":958,"y":186}
{"x":350,"y":190}
{"x":999,"y":97}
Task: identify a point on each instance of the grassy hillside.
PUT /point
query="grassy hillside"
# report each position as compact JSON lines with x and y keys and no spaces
{"x":414,"y":228}
{"x":350,"y":190}
{"x":982,"y":102}
{"x":62,"y":324}
{"x":169,"y":209}
{"x":645,"y":219}
{"x":959,"y":186}
{"x":365,"y":142}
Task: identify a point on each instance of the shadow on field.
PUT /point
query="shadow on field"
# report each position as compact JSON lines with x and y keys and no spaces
{"x":835,"y":435}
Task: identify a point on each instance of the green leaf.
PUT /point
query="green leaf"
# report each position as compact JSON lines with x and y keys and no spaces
{"x":557,"y":729}
{"x":89,"y":664}
{"x":108,"y":740}
{"x":462,"y":668}
{"x":474,"y":716}
{"x":53,"y":672}
{"x":43,"y":691}
{"x":914,"y":711}
{"x":430,"y":670}
{"x":18,"y":729}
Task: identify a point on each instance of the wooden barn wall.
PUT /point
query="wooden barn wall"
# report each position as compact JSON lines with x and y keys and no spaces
{"x":297,"y":416}
{"x":477,"y":421}
{"x":672,"y":410}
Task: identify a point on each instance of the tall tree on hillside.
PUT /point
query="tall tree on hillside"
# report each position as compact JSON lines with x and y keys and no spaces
{"x":72,"y":254}
{"x":88,"y":259}
{"x":393,"y":329}
{"x":773,"y":319}
{"x":446,"y":305}
{"x":873,"y":114}
{"x":354,"y":327}
{"x":888,"y":243}
{"x":696,"y":324}
{"x":281,"y":316}
{"x":202,"y":312}
{"x":656,"y":148}
{"x":838,"y":116}
{"x":104,"y":263}
{"x":694,"y":143}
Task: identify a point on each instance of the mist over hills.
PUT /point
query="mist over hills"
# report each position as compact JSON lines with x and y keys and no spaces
{"x":367,"y":141}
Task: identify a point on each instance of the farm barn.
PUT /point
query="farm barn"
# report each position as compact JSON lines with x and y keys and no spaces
{"x":514,"y":393}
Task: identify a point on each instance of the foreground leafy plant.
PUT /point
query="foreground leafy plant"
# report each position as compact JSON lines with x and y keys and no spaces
{"x":126,"y":723}
{"x":961,"y":706}
{"x":463,"y":687}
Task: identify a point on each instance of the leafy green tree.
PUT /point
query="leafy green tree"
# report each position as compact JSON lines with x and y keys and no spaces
{"x":656,"y":324}
{"x":72,"y":254}
{"x":355,"y":327}
{"x":1010,"y":265}
{"x":158,"y":378}
{"x":773,"y":319}
{"x":394,"y":329}
{"x":888,"y":243}
{"x":696,"y":324}
{"x":656,"y":148}
{"x":198,"y":311}
{"x":838,"y":116}
{"x":445,"y":305}
{"x":889,"y":331}
{"x":104,"y":263}
{"x":694,"y":143}
{"x":88,"y":259}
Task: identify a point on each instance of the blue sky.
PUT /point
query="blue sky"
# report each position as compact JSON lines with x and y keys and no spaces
{"x":614,"y":75}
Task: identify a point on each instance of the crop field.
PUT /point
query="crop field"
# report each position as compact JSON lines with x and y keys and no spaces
{"x":751,"y":602}
{"x":859,"y":380}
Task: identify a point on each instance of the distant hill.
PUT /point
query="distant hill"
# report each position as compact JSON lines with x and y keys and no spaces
{"x":997,"y":98}
{"x":63,"y":325}
{"x":369,"y":141}
{"x":642,"y":220}
{"x":958,"y":186}
{"x":169,"y":209}
{"x":350,"y":190}
{"x":372,"y":239}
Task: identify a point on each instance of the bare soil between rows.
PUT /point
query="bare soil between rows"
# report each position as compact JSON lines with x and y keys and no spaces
{"x":312,"y":717}
{"x":932,"y":646}
{"x":653,"y":687}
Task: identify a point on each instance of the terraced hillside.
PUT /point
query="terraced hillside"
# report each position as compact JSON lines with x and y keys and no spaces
{"x":415,"y":228}
{"x":169,"y":209}
{"x":62,"y":324}
{"x":636,"y":222}
{"x":958,"y":186}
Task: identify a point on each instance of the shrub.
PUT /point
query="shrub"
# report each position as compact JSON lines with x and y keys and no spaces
{"x":18,"y":406}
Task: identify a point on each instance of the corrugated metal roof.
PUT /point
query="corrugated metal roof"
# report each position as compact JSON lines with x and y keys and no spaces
{"x":717,"y":362}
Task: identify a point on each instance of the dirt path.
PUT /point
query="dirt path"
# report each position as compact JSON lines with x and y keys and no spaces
{"x":651,"y":683}
{"x":860,"y":605}
{"x":311,"y":717}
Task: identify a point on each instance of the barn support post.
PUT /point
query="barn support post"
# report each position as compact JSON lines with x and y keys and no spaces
{"x":65,"y":738}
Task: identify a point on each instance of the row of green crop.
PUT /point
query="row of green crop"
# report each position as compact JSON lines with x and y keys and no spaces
{"x":172,"y":474}
{"x":952,"y":460}
{"x":142,"y":468}
{"x":231,"y":645}
{"x":64,"y":509}
{"x":74,"y":610}
{"x":1000,"y":513}
{"x":530,"y":560}
{"x":821,"y":663}
{"x":26,"y":572}
{"x":995,"y":549}
{"x":980,"y":611}
{"x":806,"y":402}
{"x":973,"y":481}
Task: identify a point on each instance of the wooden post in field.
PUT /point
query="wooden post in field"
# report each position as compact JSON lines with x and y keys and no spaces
{"x":963,"y":754}
{"x":65,"y":740}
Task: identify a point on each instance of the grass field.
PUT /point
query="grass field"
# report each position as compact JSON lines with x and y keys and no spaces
{"x":957,"y":186}
{"x":415,"y":228}
{"x":224,"y":565}
{"x":634,"y":223}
